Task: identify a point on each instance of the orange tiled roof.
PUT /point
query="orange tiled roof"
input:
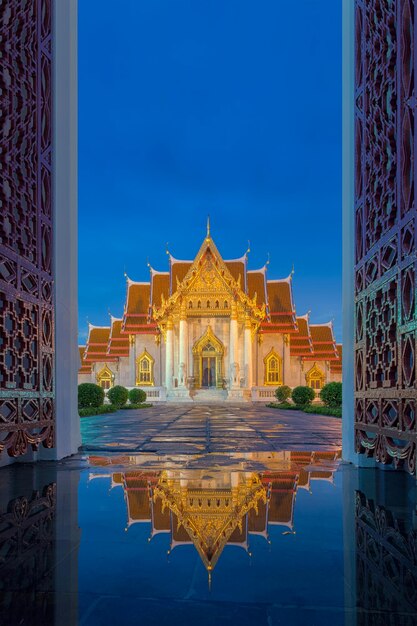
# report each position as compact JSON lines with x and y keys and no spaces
{"x":161,"y":518}
{"x":324,"y":344}
{"x":281,"y":308}
{"x":85,"y":367}
{"x":301,"y":343}
{"x":138,"y":298}
{"x":96,"y":350}
{"x":179,"y":270}
{"x":239,"y":536}
{"x":237,"y":267}
{"x":257,"y":520}
{"x":138,"y":503}
{"x":256,"y":283}
{"x":160,"y":287}
{"x":137,"y":308}
{"x":336,"y":366}
{"x":118,"y":342}
{"x":281,"y":504}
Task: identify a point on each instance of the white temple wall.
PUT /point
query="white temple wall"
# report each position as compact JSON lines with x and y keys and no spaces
{"x":84,"y":378}
{"x":147,"y":342}
{"x":270,"y":341}
{"x":297,"y":376}
{"x":123,"y":376}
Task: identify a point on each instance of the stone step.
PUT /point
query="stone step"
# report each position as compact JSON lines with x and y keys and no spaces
{"x":209,"y":395}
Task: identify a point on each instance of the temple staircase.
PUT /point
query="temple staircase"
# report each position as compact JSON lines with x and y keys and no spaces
{"x":206,"y":396}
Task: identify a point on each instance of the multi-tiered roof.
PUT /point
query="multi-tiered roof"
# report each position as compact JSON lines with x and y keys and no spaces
{"x":269,"y":302}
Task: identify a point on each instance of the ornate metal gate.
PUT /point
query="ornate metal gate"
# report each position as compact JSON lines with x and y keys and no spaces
{"x":26,"y":273}
{"x":385,"y":217}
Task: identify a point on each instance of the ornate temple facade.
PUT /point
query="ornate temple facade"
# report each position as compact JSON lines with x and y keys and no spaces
{"x":210,"y":329}
{"x":216,"y":509}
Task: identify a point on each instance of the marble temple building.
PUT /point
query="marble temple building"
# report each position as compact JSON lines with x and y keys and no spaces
{"x":210,"y":329}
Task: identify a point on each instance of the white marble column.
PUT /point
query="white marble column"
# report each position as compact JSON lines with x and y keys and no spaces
{"x":286,"y":374}
{"x":169,"y":355}
{"x":248,"y":353}
{"x":233,"y":365}
{"x":182,"y":365}
{"x":132,"y":360}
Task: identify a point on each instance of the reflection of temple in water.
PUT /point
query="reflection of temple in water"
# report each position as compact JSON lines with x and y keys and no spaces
{"x":215,"y":508}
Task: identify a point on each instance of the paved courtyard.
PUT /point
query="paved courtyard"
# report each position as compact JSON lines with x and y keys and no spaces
{"x":194,"y":429}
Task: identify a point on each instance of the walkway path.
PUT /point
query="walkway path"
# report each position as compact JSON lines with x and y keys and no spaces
{"x":185,"y":429}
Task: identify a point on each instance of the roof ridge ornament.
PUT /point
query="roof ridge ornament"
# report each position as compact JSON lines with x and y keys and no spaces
{"x":208,"y":236}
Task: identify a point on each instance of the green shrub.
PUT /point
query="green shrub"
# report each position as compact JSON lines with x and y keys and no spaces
{"x":303,"y":395}
{"x":118,"y":395}
{"x":333,"y":411}
{"x":143,"y":405}
{"x":331,"y":394}
{"x":282,"y":393}
{"x":318,"y":409}
{"x":90,"y":394}
{"x":96,"y":410}
{"x":284,"y":405}
{"x":137,"y":396}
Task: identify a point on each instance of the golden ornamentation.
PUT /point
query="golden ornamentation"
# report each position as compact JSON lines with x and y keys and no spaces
{"x":315,"y":377}
{"x":273,"y":368}
{"x":144,"y":369}
{"x":209,"y":516}
{"x":208,"y":290}
{"x":208,"y":347}
{"x":105,"y":378}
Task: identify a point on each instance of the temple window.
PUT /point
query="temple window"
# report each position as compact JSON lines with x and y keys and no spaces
{"x":190,"y":305}
{"x":273,"y":369}
{"x":144,"y":369}
{"x":208,"y":304}
{"x":217,"y":304}
{"x":315,"y":378}
{"x":226,"y":305}
{"x":199,"y":304}
{"x":105,"y":378}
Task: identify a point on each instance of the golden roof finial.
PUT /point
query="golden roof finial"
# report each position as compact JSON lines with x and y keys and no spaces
{"x":208,"y":226}
{"x":292,"y":271}
{"x":268,"y":260}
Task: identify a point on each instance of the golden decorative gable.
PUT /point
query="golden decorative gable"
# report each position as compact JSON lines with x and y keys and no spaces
{"x":209,"y":290}
{"x":209,"y":516}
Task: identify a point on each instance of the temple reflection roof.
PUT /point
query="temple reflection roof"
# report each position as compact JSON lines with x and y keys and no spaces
{"x":213,"y":508}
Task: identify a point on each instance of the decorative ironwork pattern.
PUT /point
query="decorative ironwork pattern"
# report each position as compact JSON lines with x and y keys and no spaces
{"x":386,"y":566}
{"x":27,"y":533}
{"x":385,"y":222}
{"x":26,"y":274}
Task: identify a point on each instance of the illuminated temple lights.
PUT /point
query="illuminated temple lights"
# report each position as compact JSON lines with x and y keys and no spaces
{"x":210,"y":328}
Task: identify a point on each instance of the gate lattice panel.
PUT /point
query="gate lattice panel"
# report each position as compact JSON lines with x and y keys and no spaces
{"x":385,"y":223}
{"x":26,"y":232}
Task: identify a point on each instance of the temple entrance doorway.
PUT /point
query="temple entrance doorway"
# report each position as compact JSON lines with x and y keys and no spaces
{"x":209,"y":378}
{"x":208,"y":361}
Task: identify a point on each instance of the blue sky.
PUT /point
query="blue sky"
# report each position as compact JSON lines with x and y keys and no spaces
{"x":224,"y":107}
